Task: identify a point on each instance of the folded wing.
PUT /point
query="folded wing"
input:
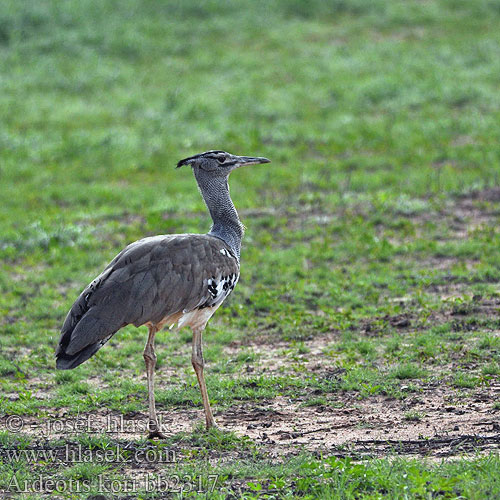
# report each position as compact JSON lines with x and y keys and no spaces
{"x":149,"y":280}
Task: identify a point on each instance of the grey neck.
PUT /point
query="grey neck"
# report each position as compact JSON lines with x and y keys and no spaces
{"x":226,"y":223}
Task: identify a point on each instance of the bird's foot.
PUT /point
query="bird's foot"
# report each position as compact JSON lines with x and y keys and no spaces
{"x":156,"y":434}
{"x":154,"y":431}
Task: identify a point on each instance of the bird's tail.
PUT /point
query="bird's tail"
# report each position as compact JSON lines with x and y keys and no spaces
{"x":79,"y":343}
{"x":67,"y":361}
{"x":85,"y":330}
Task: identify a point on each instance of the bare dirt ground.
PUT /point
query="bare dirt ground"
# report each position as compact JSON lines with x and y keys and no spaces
{"x":372,"y":427}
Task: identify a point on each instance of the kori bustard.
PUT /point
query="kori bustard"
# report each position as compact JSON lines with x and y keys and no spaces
{"x":164,"y":280}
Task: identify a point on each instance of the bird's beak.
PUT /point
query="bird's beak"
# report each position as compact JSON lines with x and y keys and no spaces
{"x":251,"y":160}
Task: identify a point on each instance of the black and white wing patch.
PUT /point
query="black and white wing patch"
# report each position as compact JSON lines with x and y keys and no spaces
{"x":219,"y":288}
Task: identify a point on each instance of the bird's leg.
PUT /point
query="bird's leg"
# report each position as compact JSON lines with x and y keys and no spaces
{"x":197,"y":361}
{"x":150,"y":360}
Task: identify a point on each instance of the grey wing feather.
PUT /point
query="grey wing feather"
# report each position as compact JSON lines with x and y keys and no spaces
{"x":149,"y":280}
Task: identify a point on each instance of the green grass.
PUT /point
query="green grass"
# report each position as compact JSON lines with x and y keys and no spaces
{"x":345,"y":479}
{"x":370,"y":265}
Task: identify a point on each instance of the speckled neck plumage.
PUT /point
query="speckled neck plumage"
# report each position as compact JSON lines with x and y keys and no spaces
{"x":226,"y":223}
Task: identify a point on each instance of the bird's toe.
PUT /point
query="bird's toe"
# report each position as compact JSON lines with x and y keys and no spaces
{"x":156,"y":434}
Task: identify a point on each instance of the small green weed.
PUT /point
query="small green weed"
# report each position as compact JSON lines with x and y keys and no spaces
{"x":413,"y":416}
{"x":408,"y":371}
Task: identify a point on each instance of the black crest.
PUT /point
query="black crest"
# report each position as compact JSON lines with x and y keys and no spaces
{"x":212,"y":154}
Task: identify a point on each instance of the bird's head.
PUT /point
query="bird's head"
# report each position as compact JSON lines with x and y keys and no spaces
{"x":220,"y":163}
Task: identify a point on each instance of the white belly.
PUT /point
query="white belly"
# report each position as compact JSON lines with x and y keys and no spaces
{"x":198,"y":318}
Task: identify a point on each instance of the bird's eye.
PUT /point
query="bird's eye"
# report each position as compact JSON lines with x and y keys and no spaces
{"x":221,"y":159}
